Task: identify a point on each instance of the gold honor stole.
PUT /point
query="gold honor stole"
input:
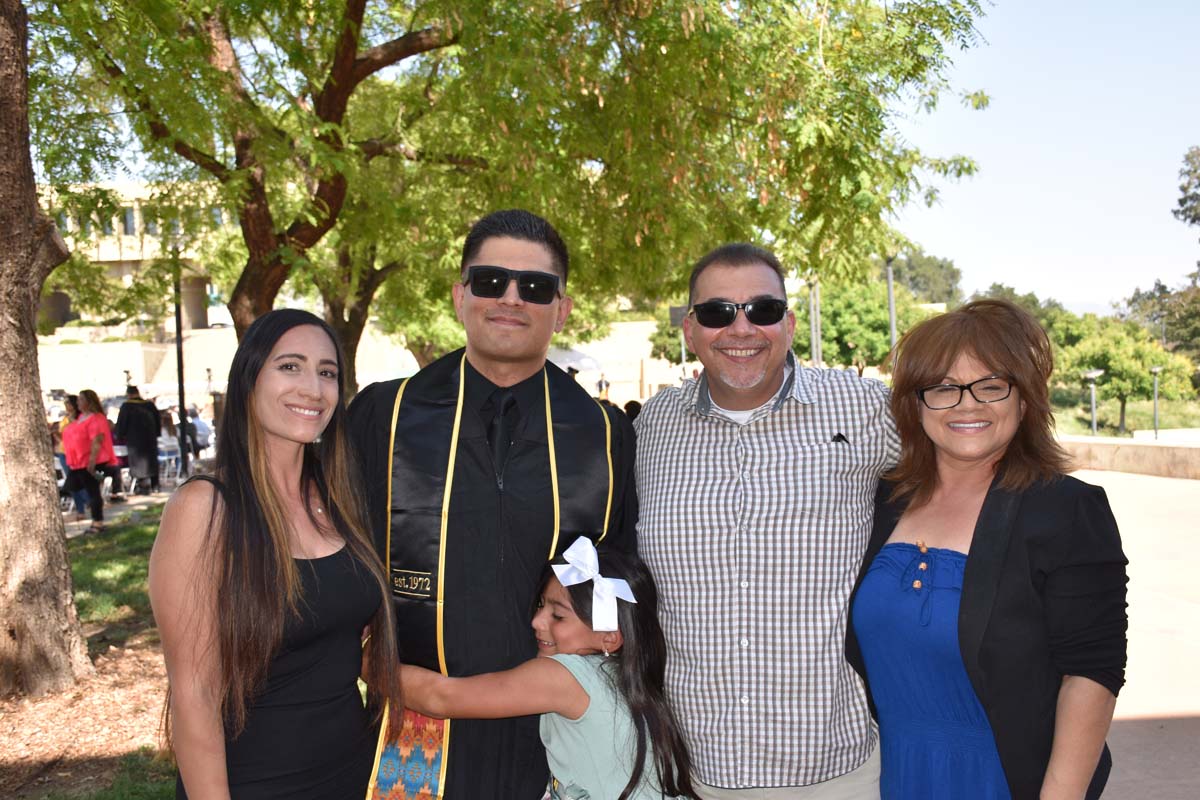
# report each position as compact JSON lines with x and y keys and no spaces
{"x":425,"y":425}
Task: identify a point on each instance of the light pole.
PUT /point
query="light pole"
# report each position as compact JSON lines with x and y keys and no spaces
{"x":814,"y":322}
{"x":183,"y":419}
{"x":1091,"y":376}
{"x":1155,"y":371}
{"x":677,"y":314}
{"x":891,"y":301}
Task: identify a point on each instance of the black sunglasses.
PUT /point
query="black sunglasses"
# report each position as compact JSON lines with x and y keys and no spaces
{"x":532,"y":287}
{"x":722,"y":313}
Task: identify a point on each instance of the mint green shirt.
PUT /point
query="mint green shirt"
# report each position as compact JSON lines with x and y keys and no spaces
{"x":591,"y":758}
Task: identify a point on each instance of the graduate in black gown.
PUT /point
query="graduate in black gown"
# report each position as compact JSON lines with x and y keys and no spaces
{"x":138,"y":426}
{"x":478,"y":470}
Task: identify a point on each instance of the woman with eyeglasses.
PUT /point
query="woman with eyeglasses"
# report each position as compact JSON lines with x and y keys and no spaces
{"x":989,"y":616}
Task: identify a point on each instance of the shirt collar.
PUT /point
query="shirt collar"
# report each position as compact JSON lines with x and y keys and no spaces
{"x":797,"y":386}
{"x":478,"y":390}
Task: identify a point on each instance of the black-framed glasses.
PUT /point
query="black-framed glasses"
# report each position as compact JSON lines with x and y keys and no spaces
{"x":532,"y":287}
{"x":722,"y":313}
{"x":941,"y":396}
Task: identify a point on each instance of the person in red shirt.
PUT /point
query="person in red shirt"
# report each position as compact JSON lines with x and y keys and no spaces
{"x":87,"y":443}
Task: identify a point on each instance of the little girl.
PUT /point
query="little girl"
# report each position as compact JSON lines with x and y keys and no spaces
{"x":597,"y":682}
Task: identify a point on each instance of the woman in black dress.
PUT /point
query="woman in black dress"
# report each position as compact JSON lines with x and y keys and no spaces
{"x":265,"y":586}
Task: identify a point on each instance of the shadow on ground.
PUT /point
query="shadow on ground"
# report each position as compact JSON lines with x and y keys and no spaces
{"x":1155,"y":759}
{"x":133,"y":776}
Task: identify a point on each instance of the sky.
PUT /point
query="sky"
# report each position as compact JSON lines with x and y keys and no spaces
{"x":1093,"y":105}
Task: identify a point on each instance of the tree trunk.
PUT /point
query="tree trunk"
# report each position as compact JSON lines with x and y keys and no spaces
{"x":41,"y":644}
{"x":348,"y":299}
{"x":349,"y":330}
{"x":1121,"y":427}
{"x":424,"y":352}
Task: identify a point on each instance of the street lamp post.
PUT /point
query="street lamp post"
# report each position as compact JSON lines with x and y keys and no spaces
{"x":1155,"y":371}
{"x":1091,"y":376}
{"x":891,"y":301}
{"x":183,"y":420}
{"x":677,"y":315}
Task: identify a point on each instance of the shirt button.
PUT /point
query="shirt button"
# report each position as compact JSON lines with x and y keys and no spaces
{"x":744,"y":642}
{"x":745,"y":584}
{"x":745,"y":700}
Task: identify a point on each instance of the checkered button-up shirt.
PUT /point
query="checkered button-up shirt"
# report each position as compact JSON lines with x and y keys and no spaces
{"x":755,"y":534}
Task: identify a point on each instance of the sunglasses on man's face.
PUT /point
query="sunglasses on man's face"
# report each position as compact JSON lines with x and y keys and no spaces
{"x":532,"y":287}
{"x":722,"y":313}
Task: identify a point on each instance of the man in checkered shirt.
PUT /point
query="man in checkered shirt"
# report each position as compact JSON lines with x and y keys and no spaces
{"x":756,"y":485}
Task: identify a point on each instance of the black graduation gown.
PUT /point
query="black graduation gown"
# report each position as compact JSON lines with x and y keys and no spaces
{"x":497,"y":541}
{"x":138,"y":425}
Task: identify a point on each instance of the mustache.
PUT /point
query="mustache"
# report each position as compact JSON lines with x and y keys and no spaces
{"x":517,"y":315}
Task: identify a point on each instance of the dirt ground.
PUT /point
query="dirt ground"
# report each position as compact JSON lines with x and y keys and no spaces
{"x":72,"y":742}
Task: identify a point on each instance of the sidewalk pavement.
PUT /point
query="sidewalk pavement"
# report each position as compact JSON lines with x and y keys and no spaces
{"x":114,"y":513}
{"x":1155,"y":737}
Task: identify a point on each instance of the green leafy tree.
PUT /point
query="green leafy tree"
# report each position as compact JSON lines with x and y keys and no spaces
{"x":1188,"y":208}
{"x":1062,"y":326}
{"x":301,"y":118}
{"x":1171,"y":316}
{"x":1125,"y":351}
{"x":1183,"y":322}
{"x":929,"y":278}
{"x":855,"y":327}
{"x":1149,"y":309}
{"x":664,"y":342}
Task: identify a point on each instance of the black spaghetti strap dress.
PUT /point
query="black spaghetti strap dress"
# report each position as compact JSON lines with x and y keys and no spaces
{"x":307,"y":735}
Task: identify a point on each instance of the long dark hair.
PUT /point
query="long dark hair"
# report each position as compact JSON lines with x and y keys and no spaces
{"x":257,"y":582}
{"x":640,"y":675}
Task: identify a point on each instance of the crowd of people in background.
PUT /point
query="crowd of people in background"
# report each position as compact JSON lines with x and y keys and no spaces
{"x":105,"y":449}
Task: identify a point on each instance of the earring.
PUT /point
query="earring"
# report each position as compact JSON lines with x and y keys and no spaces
{"x":606,"y":652}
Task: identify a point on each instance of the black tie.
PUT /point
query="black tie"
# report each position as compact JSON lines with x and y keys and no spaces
{"x":500,"y":428}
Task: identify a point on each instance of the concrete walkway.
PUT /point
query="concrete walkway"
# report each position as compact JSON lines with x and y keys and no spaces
{"x":1155,"y":736}
{"x":114,"y":513}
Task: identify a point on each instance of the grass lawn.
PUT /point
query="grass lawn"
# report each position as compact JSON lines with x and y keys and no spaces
{"x":140,"y":777}
{"x":1075,"y":418}
{"x":110,"y":572}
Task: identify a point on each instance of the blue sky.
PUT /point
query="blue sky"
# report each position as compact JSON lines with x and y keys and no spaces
{"x":1093,"y":105}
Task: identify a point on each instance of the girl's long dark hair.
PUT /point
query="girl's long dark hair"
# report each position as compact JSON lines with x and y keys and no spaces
{"x":257,"y":584}
{"x":641,"y":667}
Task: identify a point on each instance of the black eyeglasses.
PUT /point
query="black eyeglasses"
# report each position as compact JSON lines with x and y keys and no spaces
{"x":722,"y":313}
{"x":532,"y":287}
{"x":941,"y":396}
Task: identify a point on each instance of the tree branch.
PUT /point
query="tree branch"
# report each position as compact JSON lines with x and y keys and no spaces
{"x":159,"y":130}
{"x":374,"y":148}
{"x":400,"y":48}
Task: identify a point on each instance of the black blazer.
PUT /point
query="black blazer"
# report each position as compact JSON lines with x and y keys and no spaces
{"x":1043,"y":596}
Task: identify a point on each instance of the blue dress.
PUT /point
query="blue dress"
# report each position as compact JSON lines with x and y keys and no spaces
{"x":935,"y":738}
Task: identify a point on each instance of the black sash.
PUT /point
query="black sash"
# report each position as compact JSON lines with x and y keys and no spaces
{"x":426,"y":421}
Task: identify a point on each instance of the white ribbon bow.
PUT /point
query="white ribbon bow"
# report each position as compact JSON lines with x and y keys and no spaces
{"x":584,"y":565}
